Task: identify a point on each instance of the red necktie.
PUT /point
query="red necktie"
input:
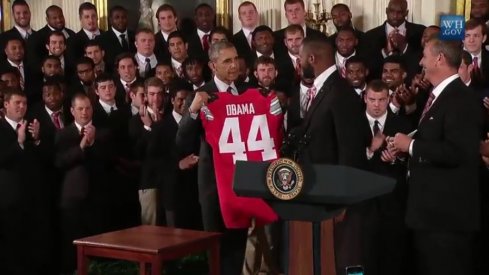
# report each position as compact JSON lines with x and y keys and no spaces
{"x":343,"y":68}
{"x":205,"y":42}
{"x":82,"y":131}
{"x":56,"y":120}
{"x":311,"y":94}
{"x":428,"y":105}
{"x":297,"y":68}
{"x":475,"y":63}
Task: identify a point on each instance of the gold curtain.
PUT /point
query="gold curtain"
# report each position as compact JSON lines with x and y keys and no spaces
{"x":103,"y":13}
{"x":463,"y":8}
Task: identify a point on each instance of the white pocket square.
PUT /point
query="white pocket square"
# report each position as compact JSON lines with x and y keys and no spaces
{"x":431,"y":118}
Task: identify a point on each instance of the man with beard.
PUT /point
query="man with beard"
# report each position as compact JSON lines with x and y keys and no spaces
{"x":395,"y":37}
{"x":22,"y":28}
{"x":263,"y":41}
{"x":84,"y":80}
{"x":479,"y":10}
{"x":333,"y":110}
{"x":356,"y":74}
{"x":342,"y":18}
{"x":265,"y":74}
{"x":394,"y":74}
{"x":346,"y":44}
{"x":288,"y":64}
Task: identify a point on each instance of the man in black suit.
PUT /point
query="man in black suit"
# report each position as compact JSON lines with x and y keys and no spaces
{"x":140,"y":128}
{"x":395,"y":36}
{"x":118,"y":38}
{"x":36,"y":49}
{"x":356,"y":74}
{"x":295,"y":13}
{"x":443,"y":199}
{"x":15,"y":52}
{"x":89,"y":23}
{"x":198,"y":41}
{"x":249,"y":18}
{"x":298,"y":94}
{"x":341,"y":15}
{"x":288,"y":65}
{"x":24,"y":202}
{"x":94,"y":51}
{"x":178,"y":48}
{"x":224,"y":59}
{"x":346,"y":47}
{"x":167,"y":21}
{"x":178,"y":185}
{"x":145,"y":56}
{"x":385,"y":239}
{"x":126,"y":67}
{"x":84,"y":80}
{"x":22,"y":29}
{"x":475,"y":36}
{"x":84,"y":154}
{"x":333,"y":110}
{"x":56,"y":46}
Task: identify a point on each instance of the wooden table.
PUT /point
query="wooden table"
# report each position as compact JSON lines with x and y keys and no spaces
{"x":148,"y":245}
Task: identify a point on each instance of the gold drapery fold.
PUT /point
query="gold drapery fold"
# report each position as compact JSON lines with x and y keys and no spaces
{"x":223,"y":13}
{"x":463,"y":8}
{"x":103,"y":13}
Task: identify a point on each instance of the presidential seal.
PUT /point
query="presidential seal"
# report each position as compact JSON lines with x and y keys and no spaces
{"x":285,"y":179}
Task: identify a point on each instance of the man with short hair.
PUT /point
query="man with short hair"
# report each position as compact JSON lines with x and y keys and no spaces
{"x":15,"y":52}
{"x":444,"y":167}
{"x":475,"y":36}
{"x":22,"y":27}
{"x":288,"y":65}
{"x":55,"y":20}
{"x":356,"y":74}
{"x":198,"y":41}
{"x":346,"y":47}
{"x":167,"y":22}
{"x":386,"y":233}
{"x":342,"y":16}
{"x":84,"y":80}
{"x":126,"y":67}
{"x":396,"y":36}
{"x":24,"y":198}
{"x":89,"y":30}
{"x":249,"y":18}
{"x":56,"y":46}
{"x":94,"y":51}
{"x":118,"y":39}
{"x":145,"y":56}
{"x":224,"y":64}
{"x":295,"y":12}
{"x":178,"y":48}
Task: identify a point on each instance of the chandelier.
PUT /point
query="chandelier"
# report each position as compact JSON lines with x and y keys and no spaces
{"x":317,"y":17}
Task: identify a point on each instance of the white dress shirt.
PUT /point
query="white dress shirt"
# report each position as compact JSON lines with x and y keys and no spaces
{"x":91,"y":34}
{"x":107,"y":107}
{"x":223,"y":87}
{"x":320,"y":79}
{"x":118,"y":33}
{"x":23,"y":32}
{"x":176,"y":116}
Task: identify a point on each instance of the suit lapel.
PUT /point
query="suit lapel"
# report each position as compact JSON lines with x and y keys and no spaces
{"x":439,"y":101}
{"x":320,"y":95}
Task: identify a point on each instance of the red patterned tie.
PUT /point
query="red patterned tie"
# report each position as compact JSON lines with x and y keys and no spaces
{"x":56,"y":120}
{"x":427,"y":106}
{"x":311,"y":94}
{"x":205,"y":42}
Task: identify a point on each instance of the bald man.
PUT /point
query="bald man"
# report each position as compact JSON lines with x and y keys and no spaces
{"x":394,"y":36}
{"x":332,"y":111}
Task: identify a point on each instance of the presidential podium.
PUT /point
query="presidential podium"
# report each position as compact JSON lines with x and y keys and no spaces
{"x":327,"y":190}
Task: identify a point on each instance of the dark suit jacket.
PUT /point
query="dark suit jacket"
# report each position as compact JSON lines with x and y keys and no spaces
{"x":188,"y":135}
{"x":196,"y":50}
{"x":13,"y":32}
{"x":242,"y":46}
{"x":375,"y":40}
{"x":444,"y":167}
{"x":286,"y":72}
{"x":480,"y":79}
{"x":161,"y":47}
{"x":76,"y":44}
{"x":29,"y":80}
{"x":112,"y":47}
{"x":294,"y":108}
{"x":329,"y":126}
{"x":23,"y":204}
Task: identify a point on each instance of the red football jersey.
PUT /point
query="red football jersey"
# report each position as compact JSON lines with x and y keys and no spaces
{"x":243,"y":127}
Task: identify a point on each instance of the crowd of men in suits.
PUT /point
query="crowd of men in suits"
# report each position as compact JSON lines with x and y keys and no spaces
{"x":100,"y":130}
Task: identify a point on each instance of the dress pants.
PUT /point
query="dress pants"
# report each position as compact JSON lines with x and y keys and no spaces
{"x":443,"y":252}
{"x":233,"y":241}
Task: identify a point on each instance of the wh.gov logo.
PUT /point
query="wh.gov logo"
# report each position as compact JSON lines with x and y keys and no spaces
{"x":452,"y":27}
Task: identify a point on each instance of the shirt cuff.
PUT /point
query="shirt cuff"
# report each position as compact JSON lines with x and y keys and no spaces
{"x":21,"y":146}
{"x":193,"y":115}
{"x":147,"y":128}
{"x":405,"y":49}
{"x":393,"y":107}
{"x":411,"y":148}
{"x":369,"y":154}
